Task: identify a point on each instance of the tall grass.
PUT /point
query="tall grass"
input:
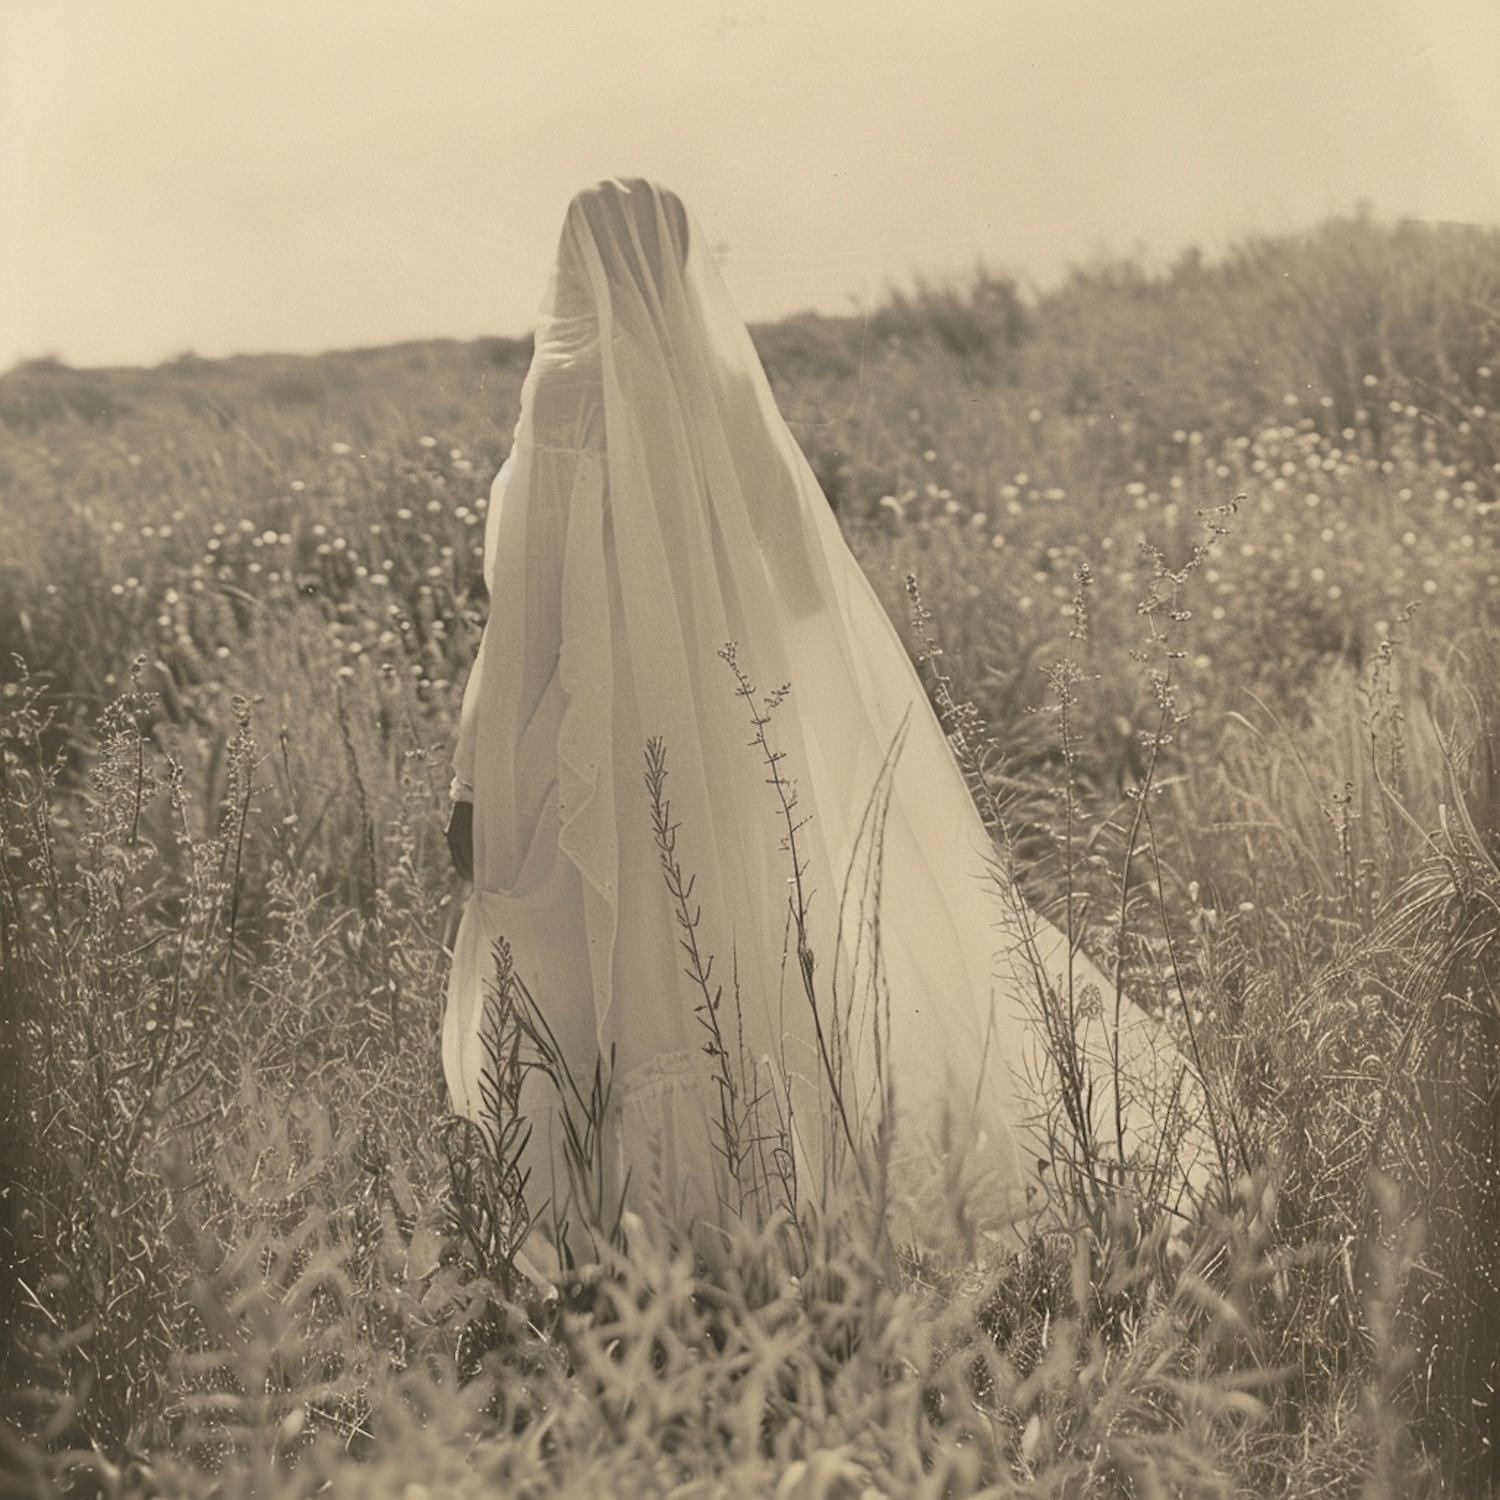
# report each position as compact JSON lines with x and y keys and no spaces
{"x":246,"y":1250}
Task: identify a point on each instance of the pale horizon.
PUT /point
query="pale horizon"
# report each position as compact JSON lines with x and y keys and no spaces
{"x":295,"y":176}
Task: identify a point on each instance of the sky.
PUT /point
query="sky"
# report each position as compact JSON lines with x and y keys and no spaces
{"x":237,"y":176}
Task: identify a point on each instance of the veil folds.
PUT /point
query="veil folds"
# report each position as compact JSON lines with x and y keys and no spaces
{"x":654,"y":508}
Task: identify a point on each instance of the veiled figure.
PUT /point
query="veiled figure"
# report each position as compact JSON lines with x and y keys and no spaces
{"x":877,"y":977}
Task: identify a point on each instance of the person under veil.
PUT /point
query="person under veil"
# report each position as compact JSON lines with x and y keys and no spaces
{"x":684,"y":670}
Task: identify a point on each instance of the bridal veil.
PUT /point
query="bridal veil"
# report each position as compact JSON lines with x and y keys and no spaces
{"x":876,"y":975}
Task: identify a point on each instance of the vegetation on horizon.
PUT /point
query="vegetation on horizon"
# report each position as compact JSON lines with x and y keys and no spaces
{"x":1213,"y":556}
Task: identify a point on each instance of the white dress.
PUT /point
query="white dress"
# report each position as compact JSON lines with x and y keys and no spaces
{"x":655,"y":509}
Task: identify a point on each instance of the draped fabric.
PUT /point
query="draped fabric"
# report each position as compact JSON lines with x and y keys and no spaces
{"x":654,"y":509}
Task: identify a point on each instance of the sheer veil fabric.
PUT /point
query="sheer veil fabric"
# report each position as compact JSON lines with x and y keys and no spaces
{"x":655,"y":507}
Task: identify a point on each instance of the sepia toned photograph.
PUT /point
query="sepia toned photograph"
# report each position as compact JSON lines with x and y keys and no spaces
{"x":750,"y":748}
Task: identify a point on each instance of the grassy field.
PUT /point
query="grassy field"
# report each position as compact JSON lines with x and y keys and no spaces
{"x":1214,"y":558}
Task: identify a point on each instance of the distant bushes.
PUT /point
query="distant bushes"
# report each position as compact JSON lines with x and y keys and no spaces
{"x":1218,"y":346}
{"x":43,"y":392}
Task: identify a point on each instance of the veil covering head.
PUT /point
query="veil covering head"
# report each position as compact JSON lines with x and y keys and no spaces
{"x":655,"y":508}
